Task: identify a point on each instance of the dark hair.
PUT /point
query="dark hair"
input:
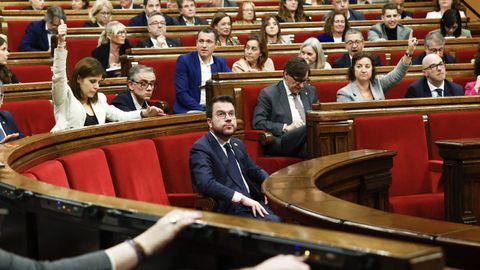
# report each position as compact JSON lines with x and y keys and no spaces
{"x":476,"y":64}
{"x":389,"y":6}
{"x":208,"y":30}
{"x":357,"y":57}
{"x":297,"y":67}
{"x":145,"y":2}
{"x":86,"y":67}
{"x":86,"y":4}
{"x":180,"y":2}
{"x":449,"y":18}
{"x":240,"y":10}
{"x":331,"y":19}
{"x":262,"y":46}
{"x":215,"y":99}
{"x":217,"y":17}
{"x":455,"y":5}
{"x":284,"y":14}
{"x":263,"y":32}
{"x":54,"y":11}
{"x":6,"y":75}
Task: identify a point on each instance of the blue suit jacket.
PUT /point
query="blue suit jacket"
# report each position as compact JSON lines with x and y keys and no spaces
{"x":188,"y":78}
{"x":8,"y":124}
{"x":210,"y":176}
{"x":420,"y":88}
{"x":141,"y":20}
{"x":325,"y":38}
{"x":35,"y":38}
{"x":124,"y":102}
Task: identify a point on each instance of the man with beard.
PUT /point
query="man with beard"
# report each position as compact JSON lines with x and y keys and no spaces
{"x":390,"y":29}
{"x":222,"y":169}
{"x":353,"y":44}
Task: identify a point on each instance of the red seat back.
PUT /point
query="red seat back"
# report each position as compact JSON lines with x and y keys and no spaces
{"x":189,"y":40}
{"x":88,"y":171}
{"x":51,"y":172}
{"x":15,"y":33}
{"x":465,"y":55}
{"x":250,"y":95}
{"x":79,"y":48}
{"x":463,"y":80}
{"x":397,"y":55}
{"x":32,"y":116}
{"x":333,"y":56}
{"x":136,"y":172}
{"x":32,"y":73}
{"x":399,"y":90}
{"x":404,"y":134}
{"x":300,"y":37}
{"x":279,"y":60}
{"x":327,"y":91}
{"x":165,"y":84}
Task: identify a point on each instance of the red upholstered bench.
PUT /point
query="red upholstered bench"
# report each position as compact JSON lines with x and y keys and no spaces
{"x":79,"y":48}
{"x":279,"y":60}
{"x":32,"y":116}
{"x":463,"y":80}
{"x":16,"y":31}
{"x":395,"y":56}
{"x":51,"y":172}
{"x":399,"y":90}
{"x":327,"y":91}
{"x":32,"y":73}
{"x":165,"y":84}
{"x":411,"y":192}
{"x":300,"y":37}
{"x":465,"y":55}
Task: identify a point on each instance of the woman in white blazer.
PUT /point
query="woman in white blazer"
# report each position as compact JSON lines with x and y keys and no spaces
{"x":77,"y":103}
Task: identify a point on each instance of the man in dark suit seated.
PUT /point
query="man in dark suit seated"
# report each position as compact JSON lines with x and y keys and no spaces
{"x":281,"y":109}
{"x":353,"y":44}
{"x":434,"y":43}
{"x":38,"y":33}
{"x":157,"y":29}
{"x":127,"y":4}
{"x":8,"y":129}
{"x":343,"y":5}
{"x":188,"y":11}
{"x":433,"y":82}
{"x":222,"y":169}
{"x":149,"y":6}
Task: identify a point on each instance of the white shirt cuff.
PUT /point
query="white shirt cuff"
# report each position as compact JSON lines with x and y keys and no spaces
{"x":237,"y":197}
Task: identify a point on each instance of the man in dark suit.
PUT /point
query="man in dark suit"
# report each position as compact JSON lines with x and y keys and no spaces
{"x":434,"y":43}
{"x":281,"y":109}
{"x":127,"y":4}
{"x":157,"y":29}
{"x":38,"y":33}
{"x":194,"y":69}
{"x":433,"y":82}
{"x":343,"y":5}
{"x":188,"y":11}
{"x":353,"y":44}
{"x":149,"y":6}
{"x":221,"y":168}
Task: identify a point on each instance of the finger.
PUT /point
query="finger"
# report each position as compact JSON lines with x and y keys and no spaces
{"x":261,"y":210}
{"x":61,"y":21}
{"x":254,"y":211}
{"x":264,"y":210}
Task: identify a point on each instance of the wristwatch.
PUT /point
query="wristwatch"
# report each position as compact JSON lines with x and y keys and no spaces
{"x":408,"y":54}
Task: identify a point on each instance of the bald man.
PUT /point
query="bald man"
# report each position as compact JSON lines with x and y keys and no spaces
{"x":433,"y":82}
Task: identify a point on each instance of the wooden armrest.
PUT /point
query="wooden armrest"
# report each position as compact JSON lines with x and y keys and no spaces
{"x":264,"y":137}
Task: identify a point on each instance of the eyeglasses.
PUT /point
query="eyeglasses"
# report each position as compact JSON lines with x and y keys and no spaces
{"x":104,"y":13}
{"x":299,"y":81}
{"x":435,"y":50}
{"x":222,"y":115}
{"x":144,"y":85}
{"x":434,"y":66}
{"x":158,"y":23}
{"x":123,"y":32}
{"x":356,"y":42}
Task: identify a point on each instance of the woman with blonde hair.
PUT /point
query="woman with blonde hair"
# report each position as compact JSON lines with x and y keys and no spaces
{"x":111,"y":45}
{"x":222,"y":23}
{"x":255,"y":57}
{"x":100,"y":14}
{"x":311,"y":50}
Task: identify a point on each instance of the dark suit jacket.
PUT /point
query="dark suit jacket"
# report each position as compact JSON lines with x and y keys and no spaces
{"x":420,"y":89}
{"x":102,"y":52}
{"x":188,"y":78}
{"x":345,"y":61}
{"x":325,"y":38}
{"x":354,"y":15}
{"x":35,"y":38}
{"x":8,"y":124}
{"x":196,"y":20}
{"x":210,"y":175}
{"x":124,"y":102}
{"x":135,"y":6}
{"x":273,"y":110}
{"x":147,"y":43}
{"x":90,"y":24}
{"x":407,"y":14}
{"x":141,"y":20}
{"x":447,"y":59}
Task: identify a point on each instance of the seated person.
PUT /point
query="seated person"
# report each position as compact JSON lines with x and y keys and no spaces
{"x":188,"y":10}
{"x":127,"y":4}
{"x":255,"y":57}
{"x":246,"y":14}
{"x":282,"y":107}
{"x":193,"y":70}
{"x":222,"y":169}
{"x":222,"y":23}
{"x":451,"y":25}
{"x":471,"y":88}
{"x":36,"y":5}
{"x":141,"y":83}
{"x":434,"y":43}
{"x":353,"y":44}
{"x":291,"y":11}
{"x":157,"y":29}
{"x":364,"y":85}
{"x":343,"y":6}
{"x":8,"y":129}
{"x":39,"y":33}
{"x":335,"y":28}
{"x":441,"y":6}
{"x":112,"y":44}
{"x":271,"y":32}
{"x":149,"y":6}
{"x":80,"y":4}
{"x":390,"y":29}
{"x":433,"y":82}
{"x":312,"y":52}
{"x":77,"y":102}
{"x":401,"y":9}
{"x":6,"y":75}
{"x":220,"y":3}
{"x":100,"y":14}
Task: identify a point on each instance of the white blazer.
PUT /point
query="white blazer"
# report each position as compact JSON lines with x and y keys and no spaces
{"x":69,"y":112}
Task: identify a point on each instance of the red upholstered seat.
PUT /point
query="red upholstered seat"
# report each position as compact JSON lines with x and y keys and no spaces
{"x":88,"y":171}
{"x":32,"y":73}
{"x":411,"y":189}
{"x":463,"y":80}
{"x":32,"y":116}
{"x":465,"y":55}
{"x":29,"y":175}
{"x":395,"y":56}
{"x":188,"y":40}
{"x":333,"y":56}
{"x":165,"y":84}
{"x":51,"y":172}
{"x":136,"y":172}
{"x":327,"y":91}
{"x":270,"y":164}
{"x":16,"y":30}
{"x":301,"y":36}
{"x":399,"y":90}
{"x":279,"y":60}
{"x":79,"y":48}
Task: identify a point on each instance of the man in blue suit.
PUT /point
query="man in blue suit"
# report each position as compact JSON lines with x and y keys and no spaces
{"x":433,"y":82}
{"x":193,"y":70}
{"x":343,"y":5}
{"x":38,"y":33}
{"x":221,"y":168}
{"x":149,"y":7}
{"x":8,"y":128}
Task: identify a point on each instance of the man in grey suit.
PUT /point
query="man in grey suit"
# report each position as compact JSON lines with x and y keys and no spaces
{"x":281,"y":109}
{"x":390,"y":29}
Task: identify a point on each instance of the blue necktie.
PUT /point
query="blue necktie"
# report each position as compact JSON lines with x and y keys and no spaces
{"x":439,"y":92}
{"x":235,"y":170}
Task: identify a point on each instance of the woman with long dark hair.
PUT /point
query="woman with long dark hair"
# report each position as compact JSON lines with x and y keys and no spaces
{"x":6,"y":75}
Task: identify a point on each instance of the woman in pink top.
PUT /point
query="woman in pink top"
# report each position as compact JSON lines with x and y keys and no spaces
{"x":471,"y":88}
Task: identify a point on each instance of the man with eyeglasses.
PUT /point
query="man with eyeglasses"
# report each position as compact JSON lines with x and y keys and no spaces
{"x":434,"y":43}
{"x":157,"y":29}
{"x":390,"y":29}
{"x":149,"y":6}
{"x":282,"y":107}
{"x":343,"y":6}
{"x":194,"y":69}
{"x":38,"y":34}
{"x":433,"y":82}
{"x":188,"y":11}
{"x":353,"y":44}
{"x":222,"y":169}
